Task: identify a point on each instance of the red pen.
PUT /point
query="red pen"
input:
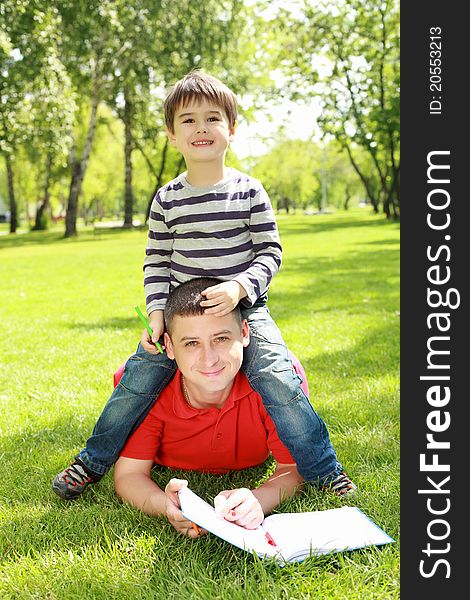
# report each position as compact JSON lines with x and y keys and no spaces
{"x":195,"y":527}
{"x":269,"y":539}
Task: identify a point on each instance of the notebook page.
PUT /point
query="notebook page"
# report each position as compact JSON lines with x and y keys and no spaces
{"x":203,"y":514}
{"x":320,"y":532}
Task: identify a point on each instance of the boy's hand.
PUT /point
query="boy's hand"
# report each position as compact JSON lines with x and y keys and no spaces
{"x":239,"y":506}
{"x":173,"y":509}
{"x":222,"y":298}
{"x":157,"y":326}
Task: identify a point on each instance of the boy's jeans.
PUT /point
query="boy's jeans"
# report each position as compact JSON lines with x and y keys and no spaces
{"x":270,"y":372}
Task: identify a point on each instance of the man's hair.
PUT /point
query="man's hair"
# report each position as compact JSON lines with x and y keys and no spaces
{"x":198,"y":86}
{"x":185,"y":300}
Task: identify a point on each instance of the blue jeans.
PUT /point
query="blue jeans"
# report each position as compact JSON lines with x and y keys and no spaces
{"x":269,"y":370}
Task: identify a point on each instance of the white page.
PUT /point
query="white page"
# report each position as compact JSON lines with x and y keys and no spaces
{"x":323,"y":531}
{"x":203,"y":514}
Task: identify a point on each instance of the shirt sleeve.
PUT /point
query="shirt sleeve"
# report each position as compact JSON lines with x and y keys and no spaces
{"x":145,"y":441}
{"x":157,"y":257}
{"x":266,"y":247}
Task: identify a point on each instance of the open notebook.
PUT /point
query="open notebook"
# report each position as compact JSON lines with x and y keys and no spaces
{"x":290,"y":537}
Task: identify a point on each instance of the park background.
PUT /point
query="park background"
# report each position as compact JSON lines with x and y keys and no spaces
{"x":83,"y":150}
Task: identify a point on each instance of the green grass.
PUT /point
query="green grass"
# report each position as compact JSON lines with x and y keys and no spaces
{"x":68,"y":322}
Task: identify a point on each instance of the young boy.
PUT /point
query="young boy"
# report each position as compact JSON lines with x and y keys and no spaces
{"x":214,"y":221}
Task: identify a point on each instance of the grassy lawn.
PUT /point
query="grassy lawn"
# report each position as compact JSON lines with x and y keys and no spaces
{"x":68,"y":322}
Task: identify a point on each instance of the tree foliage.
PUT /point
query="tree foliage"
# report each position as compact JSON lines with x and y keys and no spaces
{"x":289,"y":173}
{"x":307,"y":175}
{"x":37,"y":103}
{"x":349,"y":59}
{"x":82,"y":85}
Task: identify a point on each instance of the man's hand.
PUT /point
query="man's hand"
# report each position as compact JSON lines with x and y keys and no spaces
{"x":173,"y":509}
{"x":222,"y":298}
{"x":239,"y":506}
{"x":157,"y":326}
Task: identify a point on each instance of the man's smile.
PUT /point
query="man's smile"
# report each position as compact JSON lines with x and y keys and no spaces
{"x":212,"y":373}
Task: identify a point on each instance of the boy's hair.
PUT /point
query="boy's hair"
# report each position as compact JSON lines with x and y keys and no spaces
{"x":197,"y":85}
{"x":185,"y":300}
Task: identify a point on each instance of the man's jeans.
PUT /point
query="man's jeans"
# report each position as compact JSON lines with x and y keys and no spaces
{"x":269,"y":370}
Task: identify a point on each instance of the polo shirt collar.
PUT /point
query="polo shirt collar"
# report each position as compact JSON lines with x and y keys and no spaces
{"x":240,"y":389}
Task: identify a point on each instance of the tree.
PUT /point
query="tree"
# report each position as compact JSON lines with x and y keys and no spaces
{"x":88,"y":51}
{"x":126,"y":52}
{"x":68,"y":59}
{"x":214,"y":36}
{"x":350,"y":60}
{"x":14,"y":86}
{"x":52,"y":108}
{"x":342,"y":184}
{"x":35,"y":99}
{"x":291,"y":173}
{"x":133,"y":29}
{"x":102,"y":189}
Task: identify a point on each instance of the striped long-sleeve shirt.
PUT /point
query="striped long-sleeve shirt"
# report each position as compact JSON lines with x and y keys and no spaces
{"x":227,"y":230}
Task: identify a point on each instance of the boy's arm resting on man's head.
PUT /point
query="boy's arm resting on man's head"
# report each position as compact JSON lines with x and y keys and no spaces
{"x":157,"y":259}
{"x":222,"y":298}
{"x":267,"y":248}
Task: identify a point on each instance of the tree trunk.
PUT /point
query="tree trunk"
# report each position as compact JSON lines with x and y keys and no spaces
{"x":128,"y":195}
{"x":72,"y":201}
{"x":39,"y":222}
{"x":365,"y":182}
{"x":386,"y":206}
{"x":79,"y":165}
{"x":395,"y":192}
{"x":392,"y":197}
{"x":11,"y":193}
{"x":179,"y":166}
{"x":158,"y":185}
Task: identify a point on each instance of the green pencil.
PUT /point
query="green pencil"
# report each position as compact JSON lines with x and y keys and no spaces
{"x":148,"y":328}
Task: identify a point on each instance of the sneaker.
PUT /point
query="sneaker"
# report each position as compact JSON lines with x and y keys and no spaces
{"x":341,"y":485}
{"x":73,"y":480}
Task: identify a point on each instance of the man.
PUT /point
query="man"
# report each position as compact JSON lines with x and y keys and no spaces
{"x":207,"y":419}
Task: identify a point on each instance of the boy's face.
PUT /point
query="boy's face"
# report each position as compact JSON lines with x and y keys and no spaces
{"x":202,"y":132}
{"x":208,"y":350}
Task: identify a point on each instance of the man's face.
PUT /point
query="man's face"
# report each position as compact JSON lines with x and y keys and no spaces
{"x":208,"y":350}
{"x":201,"y":131}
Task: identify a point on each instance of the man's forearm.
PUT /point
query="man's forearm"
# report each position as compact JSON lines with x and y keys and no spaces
{"x":282,"y":484}
{"x":139,"y":490}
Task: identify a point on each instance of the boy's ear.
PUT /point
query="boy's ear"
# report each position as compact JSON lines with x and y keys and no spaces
{"x":171,"y":136}
{"x":233,"y":130}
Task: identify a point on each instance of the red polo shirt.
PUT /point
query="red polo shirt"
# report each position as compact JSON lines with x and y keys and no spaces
{"x":239,"y":435}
